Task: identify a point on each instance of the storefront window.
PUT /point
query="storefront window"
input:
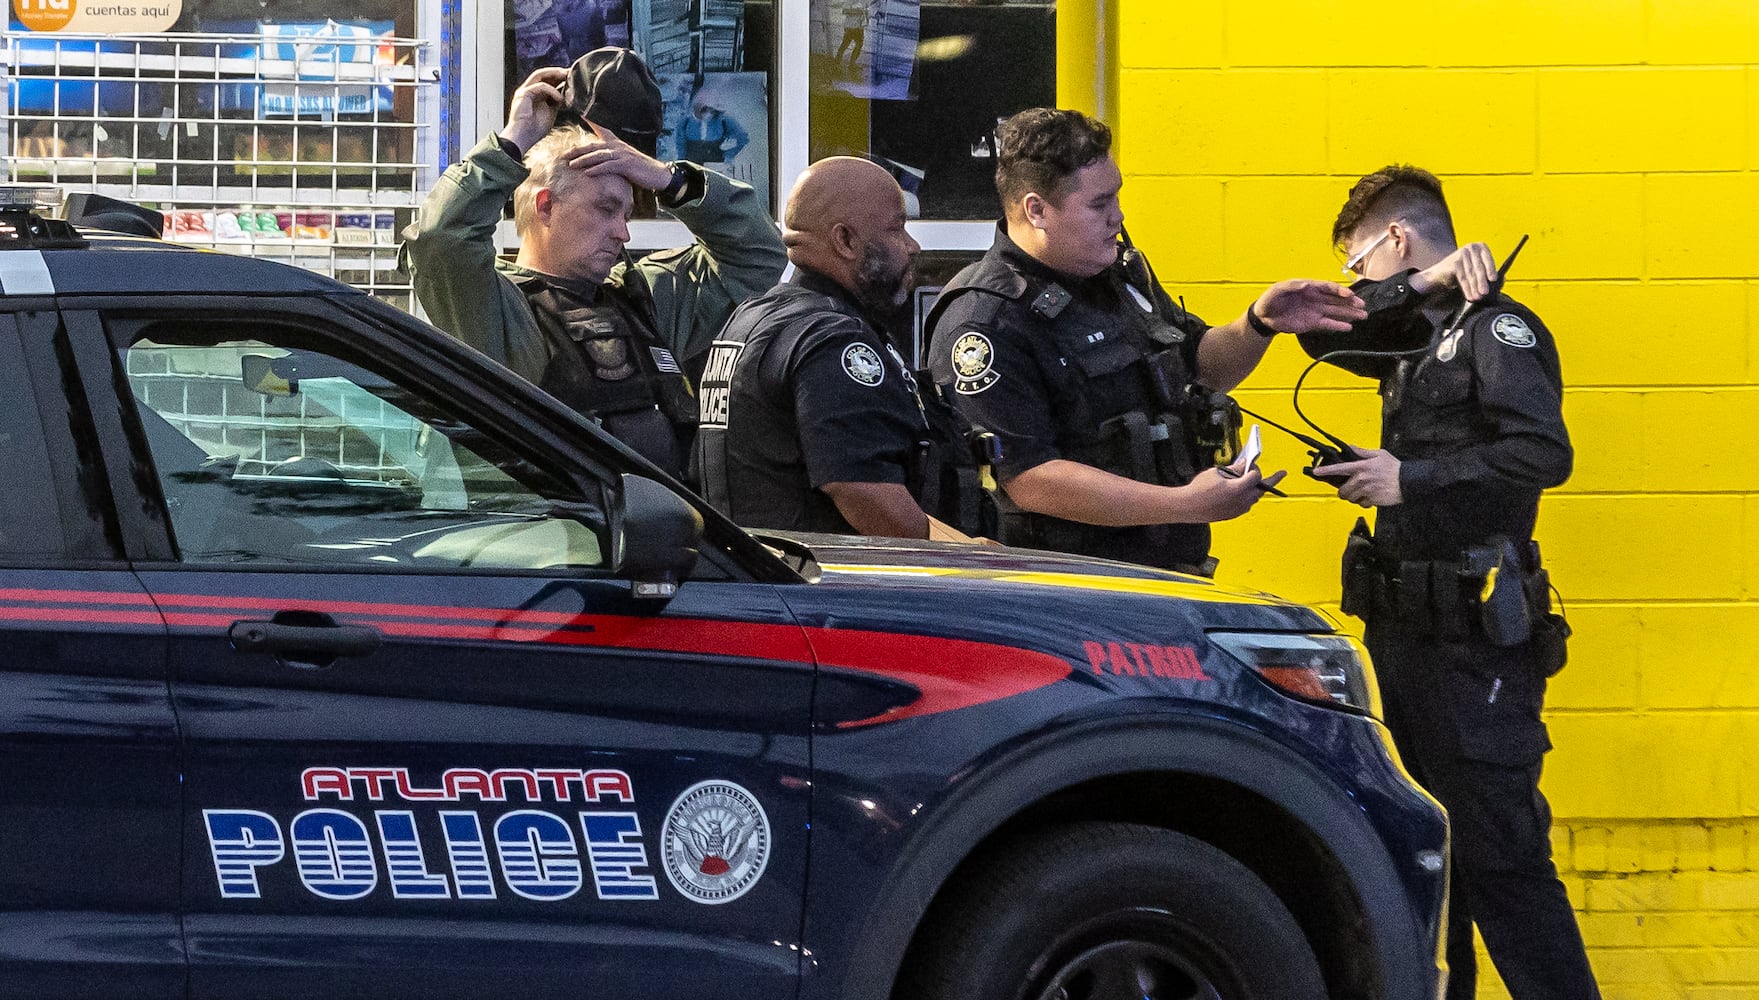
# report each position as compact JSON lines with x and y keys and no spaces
{"x":713,"y":59}
{"x":258,"y":130}
{"x":919,"y":87}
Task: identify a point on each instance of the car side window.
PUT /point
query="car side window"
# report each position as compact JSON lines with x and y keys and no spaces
{"x":273,"y":452}
{"x":32,"y":526}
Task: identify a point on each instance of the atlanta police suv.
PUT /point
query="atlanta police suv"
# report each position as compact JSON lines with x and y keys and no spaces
{"x":338,"y":662}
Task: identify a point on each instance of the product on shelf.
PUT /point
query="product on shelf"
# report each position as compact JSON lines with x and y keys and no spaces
{"x":269,"y":226}
{"x":227,"y":228}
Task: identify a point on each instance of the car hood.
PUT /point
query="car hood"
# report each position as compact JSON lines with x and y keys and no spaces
{"x":836,"y":560}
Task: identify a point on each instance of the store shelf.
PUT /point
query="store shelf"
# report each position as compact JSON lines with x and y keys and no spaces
{"x":189,"y":55}
{"x":313,"y":255}
{"x":265,"y":198}
{"x":278,"y":124}
{"x":194,"y":67}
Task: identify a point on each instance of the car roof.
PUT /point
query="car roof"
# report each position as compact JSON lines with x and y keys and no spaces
{"x":65,"y":260}
{"x":113,"y":263}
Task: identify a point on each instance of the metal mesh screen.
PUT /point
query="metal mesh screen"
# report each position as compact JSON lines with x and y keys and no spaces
{"x":306,"y":144}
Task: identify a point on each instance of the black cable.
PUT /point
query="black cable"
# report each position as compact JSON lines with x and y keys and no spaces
{"x":1328,"y":356}
{"x":1457,"y":322}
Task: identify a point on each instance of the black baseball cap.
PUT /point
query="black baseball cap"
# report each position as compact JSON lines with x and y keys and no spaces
{"x":612,"y":87}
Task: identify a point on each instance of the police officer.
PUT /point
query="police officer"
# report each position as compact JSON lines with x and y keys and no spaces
{"x":1456,"y":603}
{"x":570,"y":314}
{"x":810,"y":418}
{"x":1105,"y":395}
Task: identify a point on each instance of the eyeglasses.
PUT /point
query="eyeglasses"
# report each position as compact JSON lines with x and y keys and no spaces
{"x":1354,"y":264}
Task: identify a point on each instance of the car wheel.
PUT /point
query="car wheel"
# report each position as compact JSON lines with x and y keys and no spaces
{"x":1111,"y":911}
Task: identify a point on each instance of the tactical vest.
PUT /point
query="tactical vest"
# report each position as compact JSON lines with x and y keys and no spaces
{"x":1430,"y":408}
{"x":1126,"y":401}
{"x":1429,"y":404}
{"x":747,"y":359}
{"x":607,"y":361}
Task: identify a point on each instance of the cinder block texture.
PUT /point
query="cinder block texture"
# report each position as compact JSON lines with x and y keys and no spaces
{"x":1623,"y":136}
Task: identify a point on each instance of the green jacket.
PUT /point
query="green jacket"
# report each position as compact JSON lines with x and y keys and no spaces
{"x":468,"y":291}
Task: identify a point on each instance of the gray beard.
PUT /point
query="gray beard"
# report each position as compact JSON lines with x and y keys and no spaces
{"x":880,"y":294}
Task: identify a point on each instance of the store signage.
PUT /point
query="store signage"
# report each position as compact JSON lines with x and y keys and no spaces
{"x":110,"y":17}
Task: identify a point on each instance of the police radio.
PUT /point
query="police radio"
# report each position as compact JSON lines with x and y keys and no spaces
{"x":1139,"y":274}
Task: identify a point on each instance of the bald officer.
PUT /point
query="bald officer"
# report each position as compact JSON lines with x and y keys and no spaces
{"x":810,"y":419}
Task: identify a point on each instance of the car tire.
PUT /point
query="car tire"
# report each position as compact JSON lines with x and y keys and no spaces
{"x":1111,"y":911}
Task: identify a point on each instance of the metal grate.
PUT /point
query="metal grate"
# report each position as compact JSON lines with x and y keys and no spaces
{"x":304,"y":143}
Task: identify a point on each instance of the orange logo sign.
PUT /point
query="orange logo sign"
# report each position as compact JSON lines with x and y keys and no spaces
{"x":44,"y":15}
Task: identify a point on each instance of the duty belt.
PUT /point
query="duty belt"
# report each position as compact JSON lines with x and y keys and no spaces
{"x":1454,"y":599}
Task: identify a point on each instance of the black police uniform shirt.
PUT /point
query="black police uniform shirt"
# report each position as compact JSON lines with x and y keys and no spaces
{"x":828,"y":402}
{"x":1044,"y":387}
{"x":1474,"y":415}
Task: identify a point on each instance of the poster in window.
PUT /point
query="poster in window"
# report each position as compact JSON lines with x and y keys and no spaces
{"x":869,"y":46}
{"x":720,"y":120}
{"x":691,"y":36}
{"x":557,"y":32}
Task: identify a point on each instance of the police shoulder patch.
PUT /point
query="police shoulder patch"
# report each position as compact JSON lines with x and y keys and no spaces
{"x":863,"y":364}
{"x":1513,"y":331}
{"x":973,"y":363}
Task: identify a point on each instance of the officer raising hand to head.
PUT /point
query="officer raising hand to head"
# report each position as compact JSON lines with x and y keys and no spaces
{"x":609,"y":337}
{"x":1107,"y":397}
{"x":1450,"y":585}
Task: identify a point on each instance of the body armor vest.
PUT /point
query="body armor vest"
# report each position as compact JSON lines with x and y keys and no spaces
{"x":607,"y":361}
{"x":1429,"y":406}
{"x":751,"y":357}
{"x":1124,"y":397}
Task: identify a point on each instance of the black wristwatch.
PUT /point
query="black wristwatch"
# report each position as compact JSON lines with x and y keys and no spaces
{"x":1259,"y":326}
{"x":675,"y":186}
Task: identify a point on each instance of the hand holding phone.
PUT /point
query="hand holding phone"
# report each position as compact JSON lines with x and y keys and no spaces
{"x":1248,"y":458}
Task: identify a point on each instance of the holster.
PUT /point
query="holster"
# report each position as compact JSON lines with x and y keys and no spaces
{"x":1212,"y":423}
{"x":1551,"y":631}
{"x":1360,"y":576}
{"x":1490,"y":590}
{"x":1497,"y":573}
{"x":947,"y":466}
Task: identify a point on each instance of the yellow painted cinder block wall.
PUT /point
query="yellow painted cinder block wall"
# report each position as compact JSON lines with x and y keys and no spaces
{"x":1624,"y":136}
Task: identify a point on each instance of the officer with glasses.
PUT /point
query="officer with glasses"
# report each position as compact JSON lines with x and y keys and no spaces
{"x":1450,"y":585}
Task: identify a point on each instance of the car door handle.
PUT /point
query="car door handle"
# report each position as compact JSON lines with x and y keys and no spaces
{"x":331,"y":640}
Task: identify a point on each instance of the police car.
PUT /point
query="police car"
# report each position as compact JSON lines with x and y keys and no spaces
{"x":338,"y":662}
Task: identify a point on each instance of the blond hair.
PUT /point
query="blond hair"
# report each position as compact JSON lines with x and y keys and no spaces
{"x":544,"y":160}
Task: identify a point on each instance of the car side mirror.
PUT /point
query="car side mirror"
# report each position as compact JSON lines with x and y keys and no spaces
{"x":259,"y":376}
{"x":655,"y":535}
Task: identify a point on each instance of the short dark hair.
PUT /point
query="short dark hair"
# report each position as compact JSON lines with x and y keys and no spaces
{"x":1040,"y":149}
{"x":1399,"y":191}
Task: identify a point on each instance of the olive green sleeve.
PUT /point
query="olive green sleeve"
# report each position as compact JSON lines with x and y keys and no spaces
{"x":449,"y":254}
{"x":737,"y":254}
